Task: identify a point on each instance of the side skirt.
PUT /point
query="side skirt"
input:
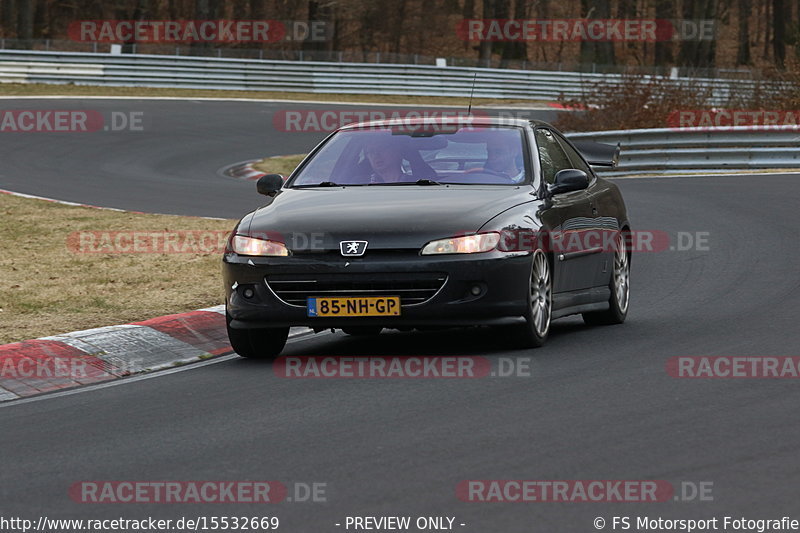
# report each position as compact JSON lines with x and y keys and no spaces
{"x":582,"y":301}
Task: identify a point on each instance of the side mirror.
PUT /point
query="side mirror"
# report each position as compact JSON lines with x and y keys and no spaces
{"x":269,"y":184}
{"x":568,"y":180}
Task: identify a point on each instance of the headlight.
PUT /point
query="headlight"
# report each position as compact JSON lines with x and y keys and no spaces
{"x":249,"y":246}
{"x":471,"y":244}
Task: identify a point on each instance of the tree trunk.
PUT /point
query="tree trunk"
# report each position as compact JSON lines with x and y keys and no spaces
{"x":469,"y":13}
{"x":664,"y":54}
{"x":517,"y":50}
{"x":779,"y":33}
{"x":202,"y":11}
{"x":397,"y":29}
{"x":257,"y":9}
{"x":626,"y":9}
{"x":8,"y":17}
{"x":767,"y":29}
{"x":743,"y":51}
{"x":320,"y":10}
{"x":25,"y":21}
{"x":601,"y":52}
{"x":489,"y":11}
{"x":699,"y":53}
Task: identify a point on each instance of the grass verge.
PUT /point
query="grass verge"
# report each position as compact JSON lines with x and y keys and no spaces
{"x":279,"y":164}
{"x":46,"y":288}
{"x":42,"y":89}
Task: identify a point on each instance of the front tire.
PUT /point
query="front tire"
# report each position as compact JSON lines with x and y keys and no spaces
{"x":260,"y":343}
{"x":538,"y":316}
{"x":620,"y":286}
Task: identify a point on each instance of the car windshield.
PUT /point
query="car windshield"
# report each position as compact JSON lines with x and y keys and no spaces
{"x":397,"y":156}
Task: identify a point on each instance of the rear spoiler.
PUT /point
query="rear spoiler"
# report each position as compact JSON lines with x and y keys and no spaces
{"x":598,"y":154}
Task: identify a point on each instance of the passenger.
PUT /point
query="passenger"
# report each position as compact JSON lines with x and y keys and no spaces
{"x":503,"y":158}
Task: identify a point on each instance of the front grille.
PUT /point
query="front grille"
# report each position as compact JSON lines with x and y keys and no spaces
{"x":412,"y":289}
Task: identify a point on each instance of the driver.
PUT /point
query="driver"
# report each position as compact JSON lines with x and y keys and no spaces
{"x":386,"y":160}
{"x":504,"y":158}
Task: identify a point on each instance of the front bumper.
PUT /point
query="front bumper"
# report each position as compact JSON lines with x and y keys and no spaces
{"x":502,"y":280}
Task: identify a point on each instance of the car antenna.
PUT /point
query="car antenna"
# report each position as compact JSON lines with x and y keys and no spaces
{"x":471,"y":92}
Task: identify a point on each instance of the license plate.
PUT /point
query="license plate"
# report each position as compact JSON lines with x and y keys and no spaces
{"x":354,"y":306}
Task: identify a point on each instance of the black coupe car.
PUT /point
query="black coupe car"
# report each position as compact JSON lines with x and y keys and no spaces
{"x":417,"y":224}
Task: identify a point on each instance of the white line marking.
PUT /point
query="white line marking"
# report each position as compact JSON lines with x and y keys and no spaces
{"x":88,"y":206}
{"x":121,"y":381}
{"x":266,"y":101}
{"x":701,"y":174}
{"x":134,"y":379}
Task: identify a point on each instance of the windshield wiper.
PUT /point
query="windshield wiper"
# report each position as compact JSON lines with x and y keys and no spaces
{"x":423,"y":181}
{"x":320,"y":184}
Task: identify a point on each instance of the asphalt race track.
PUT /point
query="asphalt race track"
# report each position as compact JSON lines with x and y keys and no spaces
{"x":171,"y":164}
{"x":599,"y":403}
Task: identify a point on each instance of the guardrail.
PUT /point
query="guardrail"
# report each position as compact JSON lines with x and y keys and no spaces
{"x":317,"y":77}
{"x":666,"y":150}
{"x":660,"y":150}
{"x":290,"y":52}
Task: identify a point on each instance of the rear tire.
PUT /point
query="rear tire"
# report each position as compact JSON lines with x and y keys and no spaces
{"x":538,"y":316}
{"x":620,"y":286}
{"x":361,"y":331}
{"x":260,"y":343}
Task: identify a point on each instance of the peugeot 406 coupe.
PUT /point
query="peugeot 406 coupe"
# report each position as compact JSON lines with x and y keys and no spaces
{"x":417,"y":224}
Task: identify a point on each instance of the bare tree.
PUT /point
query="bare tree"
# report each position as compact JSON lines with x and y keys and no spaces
{"x":25,"y":10}
{"x":664,"y":55}
{"x":516,"y":50}
{"x":597,"y":51}
{"x":743,"y":50}
{"x":8,"y":17}
{"x":699,"y":53}
{"x":779,"y":32}
{"x":321,"y":10}
{"x":489,"y":12}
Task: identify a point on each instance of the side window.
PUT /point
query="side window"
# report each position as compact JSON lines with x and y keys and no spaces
{"x":551,"y":155}
{"x":575,"y":158}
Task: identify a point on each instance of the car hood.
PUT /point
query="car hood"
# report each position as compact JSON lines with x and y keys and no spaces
{"x":389,"y":217}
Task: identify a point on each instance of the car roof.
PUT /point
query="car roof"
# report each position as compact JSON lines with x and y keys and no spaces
{"x":471,"y":120}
